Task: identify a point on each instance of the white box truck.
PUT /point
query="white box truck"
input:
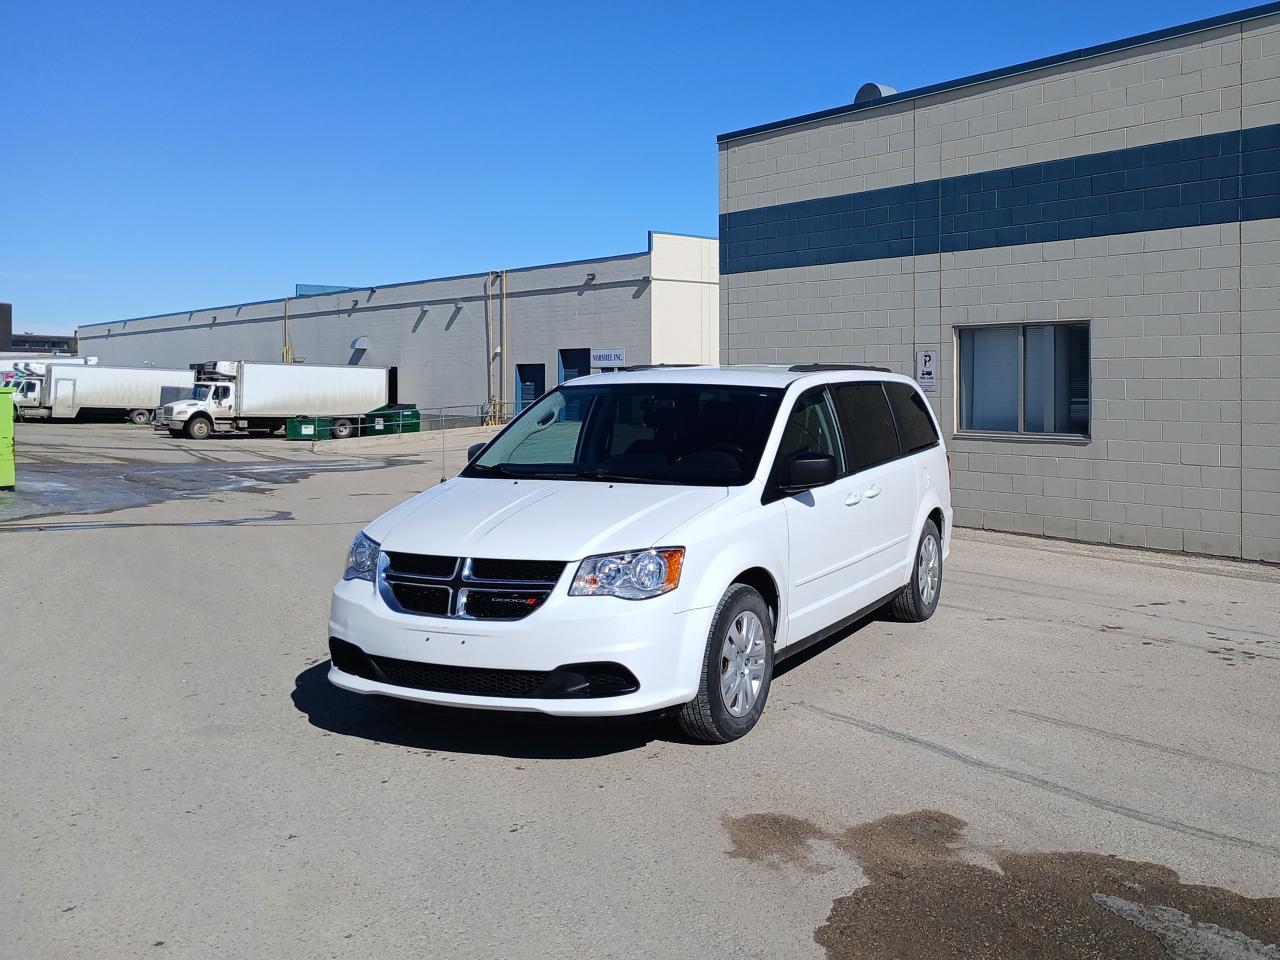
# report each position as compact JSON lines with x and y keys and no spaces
{"x":239,"y":395}
{"x":65,"y":390}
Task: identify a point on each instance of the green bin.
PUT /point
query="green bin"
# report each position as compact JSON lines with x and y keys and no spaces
{"x":393,"y":418}
{"x":309,"y":428}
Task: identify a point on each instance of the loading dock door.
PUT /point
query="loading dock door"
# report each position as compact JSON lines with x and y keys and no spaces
{"x":64,"y":398}
{"x":533,"y":382}
{"x":574,"y":363}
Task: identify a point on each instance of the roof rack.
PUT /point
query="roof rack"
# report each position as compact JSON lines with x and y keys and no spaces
{"x":654,"y":366}
{"x":819,"y":367}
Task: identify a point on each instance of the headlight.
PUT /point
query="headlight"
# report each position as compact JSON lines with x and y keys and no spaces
{"x":362,"y":559}
{"x":631,"y":576}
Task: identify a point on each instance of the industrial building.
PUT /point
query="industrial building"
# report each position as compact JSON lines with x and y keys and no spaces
{"x":1079,"y":257}
{"x":503,"y":336}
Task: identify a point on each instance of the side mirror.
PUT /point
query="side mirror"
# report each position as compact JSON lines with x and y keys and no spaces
{"x":473,"y":451}
{"x":808,"y":470}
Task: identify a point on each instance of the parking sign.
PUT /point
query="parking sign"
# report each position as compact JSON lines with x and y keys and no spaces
{"x":927,"y":370}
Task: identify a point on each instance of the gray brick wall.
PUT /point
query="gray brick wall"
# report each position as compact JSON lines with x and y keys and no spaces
{"x":1184,"y":445}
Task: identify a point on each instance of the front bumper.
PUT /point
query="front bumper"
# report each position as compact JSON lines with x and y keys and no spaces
{"x":658,"y":641}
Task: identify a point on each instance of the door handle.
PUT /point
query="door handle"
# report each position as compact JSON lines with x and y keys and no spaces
{"x":853,"y":499}
{"x":872,"y":492}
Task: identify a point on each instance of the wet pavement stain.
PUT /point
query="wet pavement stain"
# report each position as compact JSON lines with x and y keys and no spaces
{"x":280,"y":516}
{"x":775,"y":839}
{"x":924,"y":899}
{"x":69,"y":488}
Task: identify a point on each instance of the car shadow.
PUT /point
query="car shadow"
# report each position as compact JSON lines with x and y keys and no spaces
{"x":530,"y":736}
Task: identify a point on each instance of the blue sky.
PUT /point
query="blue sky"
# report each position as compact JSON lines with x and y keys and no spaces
{"x":165,"y":156}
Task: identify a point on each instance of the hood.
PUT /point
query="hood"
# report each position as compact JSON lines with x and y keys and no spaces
{"x":540,"y":519}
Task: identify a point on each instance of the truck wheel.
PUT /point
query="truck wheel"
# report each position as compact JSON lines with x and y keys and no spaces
{"x":199,"y":428}
{"x":139,"y":416}
{"x":737,"y":669}
{"x":341,"y":429}
{"x":175,"y":433}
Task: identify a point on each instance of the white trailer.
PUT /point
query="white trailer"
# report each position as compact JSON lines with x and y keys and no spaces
{"x":65,"y":390}
{"x":236,"y":395}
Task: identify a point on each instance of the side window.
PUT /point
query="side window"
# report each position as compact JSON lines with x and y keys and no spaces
{"x":554,"y":437}
{"x":915,"y":425}
{"x":868,"y":425}
{"x":221,"y":393}
{"x":811,"y":428}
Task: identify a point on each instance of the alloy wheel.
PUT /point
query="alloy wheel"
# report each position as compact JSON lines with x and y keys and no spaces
{"x":742,"y":664}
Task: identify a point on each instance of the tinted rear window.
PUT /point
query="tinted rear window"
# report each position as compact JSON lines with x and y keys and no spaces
{"x":869,"y":433}
{"x":915,"y":425}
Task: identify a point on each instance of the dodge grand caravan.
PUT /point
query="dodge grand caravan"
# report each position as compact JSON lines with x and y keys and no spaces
{"x":653,"y":540}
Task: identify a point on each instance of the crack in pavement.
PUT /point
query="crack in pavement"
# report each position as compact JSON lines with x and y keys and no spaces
{"x":1050,"y":786}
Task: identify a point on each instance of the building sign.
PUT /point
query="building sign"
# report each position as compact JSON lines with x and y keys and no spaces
{"x":927,"y":370}
{"x":608,"y":357}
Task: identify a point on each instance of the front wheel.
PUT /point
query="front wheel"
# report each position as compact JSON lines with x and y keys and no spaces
{"x":198,"y":428}
{"x":737,"y":669}
{"x":919,"y":598}
{"x":175,"y":433}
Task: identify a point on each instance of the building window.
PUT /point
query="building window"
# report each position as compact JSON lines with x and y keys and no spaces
{"x":1031,"y":379}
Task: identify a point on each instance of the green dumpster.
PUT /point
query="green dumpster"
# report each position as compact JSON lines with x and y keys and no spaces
{"x":393,"y":418}
{"x":309,"y":428}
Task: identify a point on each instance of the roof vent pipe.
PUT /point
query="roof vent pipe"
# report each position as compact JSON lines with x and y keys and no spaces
{"x":872,"y":91}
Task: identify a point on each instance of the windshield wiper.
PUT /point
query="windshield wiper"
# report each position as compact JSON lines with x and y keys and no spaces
{"x":521,"y":474}
{"x":602,"y":474}
{"x":496,"y":468}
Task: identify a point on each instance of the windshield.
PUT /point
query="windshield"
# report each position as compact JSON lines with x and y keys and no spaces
{"x":686,"y":433}
{"x":199,"y":392}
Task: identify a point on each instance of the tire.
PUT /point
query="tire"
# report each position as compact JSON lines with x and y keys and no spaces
{"x":341,"y":429}
{"x":919,"y":598}
{"x":176,"y":434}
{"x":198,"y":428}
{"x":708,"y":717}
{"x":140,"y":417}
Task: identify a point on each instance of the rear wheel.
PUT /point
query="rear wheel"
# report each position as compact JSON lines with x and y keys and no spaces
{"x":198,"y":428}
{"x":737,"y":669}
{"x":919,"y":598}
{"x":140,"y":416}
{"x":341,"y":429}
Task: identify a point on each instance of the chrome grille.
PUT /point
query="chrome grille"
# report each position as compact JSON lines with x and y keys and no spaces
{"x":470,"y":588}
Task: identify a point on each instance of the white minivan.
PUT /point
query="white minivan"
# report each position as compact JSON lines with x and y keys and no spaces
{"x":653,"y":539}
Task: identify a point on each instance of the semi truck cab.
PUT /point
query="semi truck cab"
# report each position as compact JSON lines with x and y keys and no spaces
{"x":26,"y":393}
{"x":210,"y":408}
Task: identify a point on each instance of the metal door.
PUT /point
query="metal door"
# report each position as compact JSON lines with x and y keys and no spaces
{"x":64,"y":398}
{"x":533,"y":382}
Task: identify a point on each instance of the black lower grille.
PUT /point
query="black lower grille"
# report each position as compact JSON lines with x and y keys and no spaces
{"x":470,"y":680}
{"x":572,"y":681}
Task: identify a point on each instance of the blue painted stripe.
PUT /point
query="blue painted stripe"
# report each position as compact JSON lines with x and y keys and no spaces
{"x":1220,"y":178}
{"x":1060,"y":59}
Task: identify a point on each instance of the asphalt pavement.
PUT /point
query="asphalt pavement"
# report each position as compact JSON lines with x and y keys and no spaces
{"x":1076,"y":757}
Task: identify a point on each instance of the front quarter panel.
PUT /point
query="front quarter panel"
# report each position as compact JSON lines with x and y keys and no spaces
{"x":737,"y":535}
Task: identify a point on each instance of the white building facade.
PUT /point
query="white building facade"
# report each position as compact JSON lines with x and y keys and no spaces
{"x":502,"y":335}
